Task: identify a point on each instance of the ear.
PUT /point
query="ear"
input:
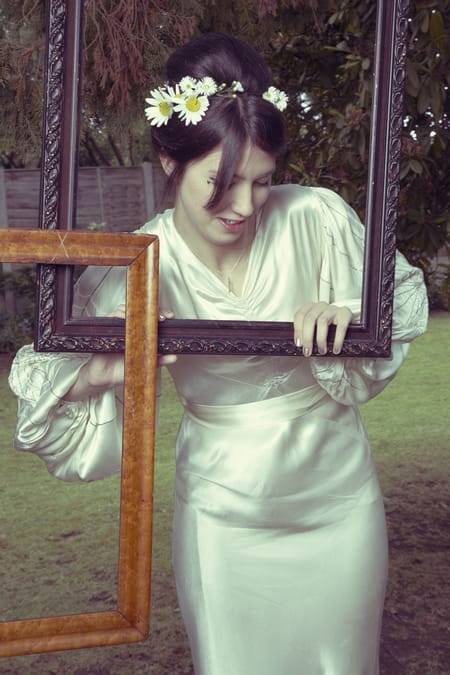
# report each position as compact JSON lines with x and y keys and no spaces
{"x":168,"y":164}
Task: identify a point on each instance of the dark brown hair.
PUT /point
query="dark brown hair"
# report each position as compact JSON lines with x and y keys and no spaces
{"x":230,"y":121}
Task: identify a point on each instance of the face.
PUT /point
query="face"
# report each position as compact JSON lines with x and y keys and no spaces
{"x":230,"y":224}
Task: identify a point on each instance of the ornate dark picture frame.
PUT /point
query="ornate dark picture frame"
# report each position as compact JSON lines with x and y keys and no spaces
{"x":129,"y":622}
{"x":56,"y":331}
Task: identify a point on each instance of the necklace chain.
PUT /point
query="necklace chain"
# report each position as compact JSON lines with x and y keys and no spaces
{"x":227,"y":277}
{"x":229,"y":282}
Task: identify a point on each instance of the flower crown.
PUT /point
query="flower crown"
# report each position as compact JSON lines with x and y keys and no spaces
{"x":189,"y":99}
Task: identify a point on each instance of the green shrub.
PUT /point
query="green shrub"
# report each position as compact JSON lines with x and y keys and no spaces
{"x":438,"y":287}
{"x":16,"y":329}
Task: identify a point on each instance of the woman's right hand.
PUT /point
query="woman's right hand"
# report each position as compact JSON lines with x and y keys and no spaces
{"x":100,"y":373}
{"x":106,"y":371}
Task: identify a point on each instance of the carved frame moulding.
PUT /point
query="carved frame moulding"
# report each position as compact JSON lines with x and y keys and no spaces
{"x":56,"y":330}
{"x":130,"y":621}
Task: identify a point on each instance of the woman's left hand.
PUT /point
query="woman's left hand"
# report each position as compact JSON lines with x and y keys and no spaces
{"x":314,"y":319}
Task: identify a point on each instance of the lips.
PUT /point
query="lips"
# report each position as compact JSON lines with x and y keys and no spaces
{"x":232,"y":225}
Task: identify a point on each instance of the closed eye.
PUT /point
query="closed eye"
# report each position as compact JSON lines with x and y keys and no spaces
{"x":260,"y":183}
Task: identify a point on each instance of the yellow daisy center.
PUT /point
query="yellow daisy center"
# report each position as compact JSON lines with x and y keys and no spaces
{"x":193,"y":104}
{"x":164,"y":108}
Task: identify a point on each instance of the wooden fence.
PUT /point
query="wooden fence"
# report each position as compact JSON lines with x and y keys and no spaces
{"x":122,"y":198}
{"x":115,"y":199}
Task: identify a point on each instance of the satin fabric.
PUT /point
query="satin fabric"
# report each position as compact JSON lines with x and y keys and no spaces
{"x":77,"y":441}
{"x":279,"y":533}
{"x":280,"y":550}
{"x":270,"y":600}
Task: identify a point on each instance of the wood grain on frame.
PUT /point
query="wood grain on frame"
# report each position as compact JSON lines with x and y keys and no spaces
{"x":130,"y":621}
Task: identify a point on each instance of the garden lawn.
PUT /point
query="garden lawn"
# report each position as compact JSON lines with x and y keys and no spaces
{"x":408,"y":425}
{"x":67,"y":532}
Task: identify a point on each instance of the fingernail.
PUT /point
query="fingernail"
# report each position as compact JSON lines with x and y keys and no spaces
{"x":298,"y":342}
{"x":306,"y":351}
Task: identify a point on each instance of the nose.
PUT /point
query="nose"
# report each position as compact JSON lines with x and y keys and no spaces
{"x":242,"y":199}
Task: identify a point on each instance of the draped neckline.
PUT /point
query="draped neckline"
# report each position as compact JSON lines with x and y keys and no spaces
{"x":191,"y":258}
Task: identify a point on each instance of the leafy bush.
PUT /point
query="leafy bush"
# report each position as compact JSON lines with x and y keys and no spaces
{"x":327,"y":55}
{"x":16,"y":329}
{"x":437,"y":279}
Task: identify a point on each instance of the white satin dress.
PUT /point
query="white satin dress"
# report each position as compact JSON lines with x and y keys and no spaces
{"x":279,"y":547}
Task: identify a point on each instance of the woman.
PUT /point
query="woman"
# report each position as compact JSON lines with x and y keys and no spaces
{"x":279,"y":530}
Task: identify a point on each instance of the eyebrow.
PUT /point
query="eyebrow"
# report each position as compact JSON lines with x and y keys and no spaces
{"x":263,"y":175}
{"x":214,"y":173}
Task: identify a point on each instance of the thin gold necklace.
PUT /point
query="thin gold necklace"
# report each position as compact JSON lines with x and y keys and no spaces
{"x":226,"y":278}
{"x":229,"y":275}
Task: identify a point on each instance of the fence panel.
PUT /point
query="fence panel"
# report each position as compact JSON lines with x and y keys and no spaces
{"x":116,"y":199}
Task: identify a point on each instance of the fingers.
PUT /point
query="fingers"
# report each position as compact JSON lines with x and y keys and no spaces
{"x":313,"y":320}
{"x":105,"y":370}
{"x":166,"y":359}
{"x":119,"y":312}
{"x":165,"y":314}
{"x":345,"y":318}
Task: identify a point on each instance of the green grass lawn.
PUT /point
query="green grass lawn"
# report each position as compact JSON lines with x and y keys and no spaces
{"x":59,"y":540}
{"x":408,"y":425}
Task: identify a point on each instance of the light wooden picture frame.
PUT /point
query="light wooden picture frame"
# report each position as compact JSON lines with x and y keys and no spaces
{"x":130,"y":620}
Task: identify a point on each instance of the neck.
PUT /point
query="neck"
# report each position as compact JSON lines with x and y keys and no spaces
{"x":221,"y":256}
{"x":230,"y":268}
{"x":226,"y":259}
{"x":228,"y":262}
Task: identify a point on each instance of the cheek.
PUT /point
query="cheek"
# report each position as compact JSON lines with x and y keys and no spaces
{"x":197,"y":193}
{"x":223,"y":204}
{"x":207,"y":194}
{"x":261,"y":197}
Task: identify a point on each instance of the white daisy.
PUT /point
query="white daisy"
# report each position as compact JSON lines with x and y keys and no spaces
{"x":188,"y":84}
{"x":207,"y":86}
{"x":192,"y":108}
{"x":174,"y":92}
{"x":282,"y":101}
{"x":270,"y":95}
{"x":276,"y":97}
{"x":160,"y":108}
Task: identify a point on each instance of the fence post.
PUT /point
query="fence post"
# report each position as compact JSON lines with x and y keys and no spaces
{"x":7,"y":297}
{"x":149,"y":190}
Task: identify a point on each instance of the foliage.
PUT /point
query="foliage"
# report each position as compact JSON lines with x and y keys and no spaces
{"x":329,"y":62}
{"x":424,"y":217}
{"x":126,"y":45}
{"x":17,"y":329}
{"x":123,"y":54}
{"x":438,"y":285}
{"x":21,"y":78}
{"x":327,"y":69}
{"x":321,"y":53}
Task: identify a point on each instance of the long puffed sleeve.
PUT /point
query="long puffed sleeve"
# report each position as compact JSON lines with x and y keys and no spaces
{"x":353,"y":381}
{"x":77,"y":440}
